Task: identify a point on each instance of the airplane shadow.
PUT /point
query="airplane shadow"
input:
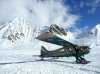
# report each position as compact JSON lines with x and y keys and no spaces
{"x":19,"y":62}
{"x":60,"y":61}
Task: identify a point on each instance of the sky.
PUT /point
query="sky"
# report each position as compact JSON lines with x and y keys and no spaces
{"x":88,"y":10}
{"x":39,"y":13}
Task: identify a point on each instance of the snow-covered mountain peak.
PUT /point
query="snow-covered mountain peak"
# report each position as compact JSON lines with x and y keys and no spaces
{"x":52,"y":28}
{"x":57,"y":29}
{"x":16,"y":29}
{"x":96,"y":30}
{"x":98,"y":25}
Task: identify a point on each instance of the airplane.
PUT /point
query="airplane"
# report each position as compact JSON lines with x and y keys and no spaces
{"x":68,"y":50}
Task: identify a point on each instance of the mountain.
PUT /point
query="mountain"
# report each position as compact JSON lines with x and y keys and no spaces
{"x":57,"y":29}
{"x":96,"y":31}
{"x":52,"y":28}
{"x":89,"y":37}
{"x":18,"y":31}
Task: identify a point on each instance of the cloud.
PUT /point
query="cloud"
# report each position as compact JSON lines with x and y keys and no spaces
{"x":92,"y":10}
{"x":38,"y":12}
{"x":93,"y":4}
{"x":97,"y":1}
{"x":81,"y":4}
{"x":10,"y":9}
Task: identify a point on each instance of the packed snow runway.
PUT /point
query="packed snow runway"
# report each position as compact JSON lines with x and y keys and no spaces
{"x":24,"y":62}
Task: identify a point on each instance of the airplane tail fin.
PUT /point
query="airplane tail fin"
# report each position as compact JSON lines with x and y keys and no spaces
{"x":43,"y":50}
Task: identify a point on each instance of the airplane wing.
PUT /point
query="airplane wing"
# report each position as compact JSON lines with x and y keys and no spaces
{"x":50,"y":38}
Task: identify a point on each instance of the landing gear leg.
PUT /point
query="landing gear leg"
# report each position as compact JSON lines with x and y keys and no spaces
{"x":78,"y":60}
{"x":83,"y":60}
{"x":41,"y":59}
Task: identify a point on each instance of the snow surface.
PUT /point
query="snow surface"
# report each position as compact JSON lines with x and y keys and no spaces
{"x":23,"y":62}
{"x":19,"y":56}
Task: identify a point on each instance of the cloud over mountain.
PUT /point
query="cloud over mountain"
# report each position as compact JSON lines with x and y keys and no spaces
{"x":38,"y":12}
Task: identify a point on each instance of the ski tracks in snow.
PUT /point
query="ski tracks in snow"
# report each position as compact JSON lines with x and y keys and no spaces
{"x":66,"y":64}
{"x":87,"y":68}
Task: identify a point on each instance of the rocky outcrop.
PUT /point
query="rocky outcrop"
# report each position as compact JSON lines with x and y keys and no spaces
{"x":15,"y":37}
{"x":56,"y":29}
{"x":52,"y":30}
{"x":16,"y":29}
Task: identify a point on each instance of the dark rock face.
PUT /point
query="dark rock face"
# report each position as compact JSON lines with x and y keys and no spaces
{"x":56,"y":29}
{"x":51,"y":30}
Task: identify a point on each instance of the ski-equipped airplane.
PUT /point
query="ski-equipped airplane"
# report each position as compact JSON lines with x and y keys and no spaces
{"x":69,"y":49}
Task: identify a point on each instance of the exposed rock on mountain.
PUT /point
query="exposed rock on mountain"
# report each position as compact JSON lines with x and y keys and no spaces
{"x":16,"y":29}
{"x":56,"y":29}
